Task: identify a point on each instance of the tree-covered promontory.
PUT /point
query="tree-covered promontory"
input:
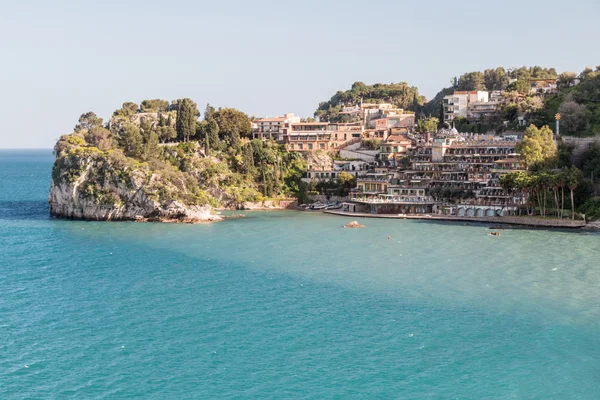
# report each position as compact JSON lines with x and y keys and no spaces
{"x":166,"y":154}
{"x":399,"y":94}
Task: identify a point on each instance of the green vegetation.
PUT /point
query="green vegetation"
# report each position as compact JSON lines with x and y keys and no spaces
{"x":591,"y":209}
{"x":579,"y":105}
{"x":370,"y":144}
{"x":537,"y":146}
{"x":490,"y":79}
{"x":187,"y":115}
{"x":340,"y":186}
{"x":399,"y":94}
{"x":425,"y":125}
{"x":175,"y":156}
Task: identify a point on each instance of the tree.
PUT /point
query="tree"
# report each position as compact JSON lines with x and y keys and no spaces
{"x":150,"y":147}
{"x":209,"y":112}
{"x":370,"y":144}
{"x":471,"y":81}
{"x":495,"y":79}
{"x":248,"y":158}
{"x":99,"y":137}
{"x":233,"y":125}
{"x":187,"y":115}
{"x":130,"y":140}
{"x":573,"y":179}
{"x":566,"y":79}
{"x":154,"y":105}
{"x":88,"y":121}
{"x":574,"y":117}
{"x":127,"y":109}
{"x":235,"y":142}
{"x":399,"y":94}
{"x":521,"y":86}
{"x":150,"y":138}
{"x":166,"y":132}
{"x":427,"y":125}
{"x":212,"y":132}
{"x":537,"y":145}
{"x":510,"y":112}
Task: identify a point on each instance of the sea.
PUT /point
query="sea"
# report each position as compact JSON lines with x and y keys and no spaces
{"x":288,"y":305}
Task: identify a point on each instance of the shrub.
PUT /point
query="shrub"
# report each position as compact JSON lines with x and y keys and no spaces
{"x":591,"y":209}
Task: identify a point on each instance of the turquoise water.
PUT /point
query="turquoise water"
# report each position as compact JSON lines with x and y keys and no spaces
{"x":288,"y":305}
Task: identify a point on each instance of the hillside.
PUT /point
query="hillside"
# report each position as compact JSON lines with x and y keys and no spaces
{"x":400,"y":95}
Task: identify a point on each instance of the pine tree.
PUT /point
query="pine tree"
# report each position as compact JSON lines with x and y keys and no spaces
{"x":131,"y":140}
{"x":235,"y":142}
{"x":213,"y":135}
{"x":248,"y":158}
{"x":187,"y":115}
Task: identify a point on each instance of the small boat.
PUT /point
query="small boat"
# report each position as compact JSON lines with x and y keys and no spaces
{"x":317,"y":206}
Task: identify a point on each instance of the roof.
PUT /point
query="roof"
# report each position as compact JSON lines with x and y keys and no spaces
{"x":398,"y":139}
{"x":312,"y":123}
{"x":277,"y":119}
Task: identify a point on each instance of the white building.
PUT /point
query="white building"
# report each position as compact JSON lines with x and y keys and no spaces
{"x":458,"y":104}
{"x":355,"y":168}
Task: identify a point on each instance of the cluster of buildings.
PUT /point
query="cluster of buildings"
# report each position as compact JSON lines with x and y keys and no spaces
{"x":478,"y":105}
{"x":443,"y":172}
{"x":377,"y":120}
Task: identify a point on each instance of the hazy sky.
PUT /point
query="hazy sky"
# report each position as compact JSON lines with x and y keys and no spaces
{"x":265,"y":57}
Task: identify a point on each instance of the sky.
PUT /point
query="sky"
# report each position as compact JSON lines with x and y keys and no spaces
{"x":60,"y":58}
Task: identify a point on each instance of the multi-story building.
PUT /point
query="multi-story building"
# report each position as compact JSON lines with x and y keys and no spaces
{"x":394,"y":148}
{"x":273,"y":128}
{"x":449,"y":174}
{"x":354,"y":168}
{"x":457,"y":104}
{"x":326,"y":136}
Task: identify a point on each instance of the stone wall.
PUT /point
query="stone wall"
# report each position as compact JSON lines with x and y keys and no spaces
{"x":364,"y":155}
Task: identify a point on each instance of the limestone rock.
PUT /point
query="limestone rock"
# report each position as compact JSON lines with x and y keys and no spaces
{"x":93,"y":185}
{"x":354,"y":224}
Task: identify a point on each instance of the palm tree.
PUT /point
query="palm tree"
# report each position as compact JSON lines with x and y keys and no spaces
{"x":573,"y":179}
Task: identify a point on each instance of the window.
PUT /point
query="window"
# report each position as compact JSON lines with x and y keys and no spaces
{"x":300,"y":146}
{"x":310,"y":146}
{"x":292,"y":146}
{"x":322,"y":145}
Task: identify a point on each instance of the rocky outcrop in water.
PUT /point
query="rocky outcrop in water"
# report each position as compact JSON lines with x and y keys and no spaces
{"x":91,"y":184}
{"x":354,"y":224}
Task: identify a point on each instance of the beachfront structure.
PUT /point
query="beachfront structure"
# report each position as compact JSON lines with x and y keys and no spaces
{"x":354,"y":168}
{"x":452,"y":173}
{"x":375,"y":196}
{"x":373,"y":183}
{"x":273,"y":128}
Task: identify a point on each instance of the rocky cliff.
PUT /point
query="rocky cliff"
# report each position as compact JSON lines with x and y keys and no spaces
{"x":91,"y":184}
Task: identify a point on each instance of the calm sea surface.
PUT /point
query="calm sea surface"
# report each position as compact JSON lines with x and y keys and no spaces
{"x":288,"y":305}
